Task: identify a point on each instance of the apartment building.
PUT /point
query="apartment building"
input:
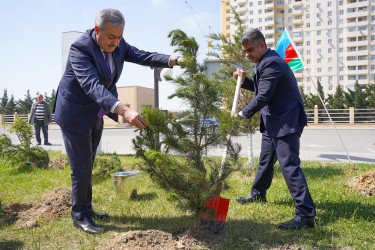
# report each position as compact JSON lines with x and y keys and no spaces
{"x":336,"y":38}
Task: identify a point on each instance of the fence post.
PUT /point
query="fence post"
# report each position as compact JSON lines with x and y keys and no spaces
{"x":316,"y":114}
{"x":15,"y":116}
{"x":2,"y":118}
{"x":351,"y":115}
{"x":28,"y":117}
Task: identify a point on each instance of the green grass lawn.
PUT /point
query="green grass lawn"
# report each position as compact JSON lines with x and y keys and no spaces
{"x":343,"y":220}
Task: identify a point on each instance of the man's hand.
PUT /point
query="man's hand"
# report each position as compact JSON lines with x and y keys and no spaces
{"x":173,"y":60}
{"x":239,"y":72}
{"x":131,"y":116}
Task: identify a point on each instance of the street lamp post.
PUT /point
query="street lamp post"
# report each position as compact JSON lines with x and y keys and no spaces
{"x":158,"y":73}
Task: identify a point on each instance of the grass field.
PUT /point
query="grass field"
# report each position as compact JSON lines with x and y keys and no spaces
{"x":343,"y":220}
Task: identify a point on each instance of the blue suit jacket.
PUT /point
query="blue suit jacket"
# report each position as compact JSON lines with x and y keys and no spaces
{"x":277,"y":96}
{"x":85,"y":86}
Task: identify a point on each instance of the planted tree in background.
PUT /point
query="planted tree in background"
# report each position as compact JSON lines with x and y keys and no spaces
{"x":22,"y":152}
{"x":176,"y":163}
{"x":229,"y":51}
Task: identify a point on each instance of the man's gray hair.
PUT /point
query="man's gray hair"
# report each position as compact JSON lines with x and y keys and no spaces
{"x":109,"y":15}
{"x":252,"y":36}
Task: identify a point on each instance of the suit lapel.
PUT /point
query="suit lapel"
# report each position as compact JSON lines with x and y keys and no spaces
{"x":115,"y":56}
{"x":104,"y":71}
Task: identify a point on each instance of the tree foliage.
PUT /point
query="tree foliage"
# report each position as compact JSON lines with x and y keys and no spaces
{"x":23,"y":152}
{"x":22,"y":106}
{"x":176,"y":163}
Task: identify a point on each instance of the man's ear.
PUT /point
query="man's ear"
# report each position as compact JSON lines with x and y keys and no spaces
{"x":96,"y":28}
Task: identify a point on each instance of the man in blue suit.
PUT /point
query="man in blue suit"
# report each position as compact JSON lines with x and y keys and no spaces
{"x":281,"y":123}
{"x":86,"y":92}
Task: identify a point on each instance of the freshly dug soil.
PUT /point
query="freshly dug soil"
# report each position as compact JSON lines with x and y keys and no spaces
{"x":58,"y":163}
{"x":53,"y":205}
{"x":363,"y":184}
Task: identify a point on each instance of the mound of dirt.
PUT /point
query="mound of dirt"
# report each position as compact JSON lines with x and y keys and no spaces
{"x":366,"y":183}
{"x":58,"y":163}
{"x":363,"y":184}
{"x":155,"y":239}
{"x":53,"y":205}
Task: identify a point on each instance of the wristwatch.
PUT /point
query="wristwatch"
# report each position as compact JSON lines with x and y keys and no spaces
{"x":176,"y":60}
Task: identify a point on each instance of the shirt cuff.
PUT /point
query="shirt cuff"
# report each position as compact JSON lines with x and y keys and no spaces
{"x":240,"y":114}
{"x":169,"y":62}
{"x":114,"y":106}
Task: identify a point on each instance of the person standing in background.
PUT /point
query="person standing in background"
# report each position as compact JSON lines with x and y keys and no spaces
{"x":41,"y":116}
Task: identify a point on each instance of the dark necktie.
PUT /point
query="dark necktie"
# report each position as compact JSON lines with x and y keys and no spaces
{"x":106,"y":56}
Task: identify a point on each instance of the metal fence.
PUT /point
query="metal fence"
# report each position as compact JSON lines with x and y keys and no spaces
{"x":314,"y":116}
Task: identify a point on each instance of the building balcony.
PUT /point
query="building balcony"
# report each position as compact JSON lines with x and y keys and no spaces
{"x":357,"y":4}
{"x":297,"y":39}
{"x":297,"y":21}
{"x":270,"y":40}
{"x":268,"y":6}
{"x":360,"y":82}
{"x":297,"y":13}
{"x":357,"y":14}
{"x":241,"y":10}
{"x":269,"y":32}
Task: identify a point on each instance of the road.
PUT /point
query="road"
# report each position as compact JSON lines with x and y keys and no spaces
{"x":317,"y":144}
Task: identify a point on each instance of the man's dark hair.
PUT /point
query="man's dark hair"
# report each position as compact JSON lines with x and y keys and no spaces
{"x":252,"y":36}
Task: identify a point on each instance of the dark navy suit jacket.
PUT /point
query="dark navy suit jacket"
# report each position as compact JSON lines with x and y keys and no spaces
{"x":86,"y":84}
{"x":276,"y":96}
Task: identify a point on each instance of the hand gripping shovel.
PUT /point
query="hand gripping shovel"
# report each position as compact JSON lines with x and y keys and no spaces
{"x":218,"y":204}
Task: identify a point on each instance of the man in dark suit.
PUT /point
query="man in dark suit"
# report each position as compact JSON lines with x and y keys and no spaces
{"x":86,"y":92}
{"x":281,"y":123}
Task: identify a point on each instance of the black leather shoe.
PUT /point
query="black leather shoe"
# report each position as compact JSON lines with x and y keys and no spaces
{"x":256,"y":198}
{"x":47,"y":143}
{"x":38,"y":143}
{"x":100,"y":216}
{"x":87,"y":225}
{"x":298,"y":222}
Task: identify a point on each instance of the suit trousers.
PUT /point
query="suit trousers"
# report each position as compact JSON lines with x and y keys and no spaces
{"x":81,"y":151}
{"x":39,"y":124}
{"x":286,"y":150}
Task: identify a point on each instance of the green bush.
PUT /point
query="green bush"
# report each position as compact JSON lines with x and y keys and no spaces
{"x":23,"y":152}
{"x":104,"y":166}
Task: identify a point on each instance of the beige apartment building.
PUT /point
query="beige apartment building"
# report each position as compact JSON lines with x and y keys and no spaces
{"x":336,"y":38}
{"x":135,"y":97}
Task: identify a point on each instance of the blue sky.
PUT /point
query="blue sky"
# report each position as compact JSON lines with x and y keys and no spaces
{"x":31,"y":38}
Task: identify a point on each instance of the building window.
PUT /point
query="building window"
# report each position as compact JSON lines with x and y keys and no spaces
{"x":341,"y":3}
{"x":329,"y":69}
{"x":341,"y":12}
{"x":329,"y":22}
{"x":330,"y":78}
{"x":307,"y":8}
{"x":308,"y":88}
{"x":251,"y":4}
{"x":318,"y":33}
{"x":329,"y":13}
{"x":330,"y":59}
{"x":251,"y":12}
{"x":318,"y":5}
{"x":318,"y":42}
{"x":320,"y":79}
{"x":251,"y":20}
{"x":307,"y":16}
{"x":307,"y":33}
{"x":308,"y":61}
{"x":341,"y":49}
{"x":319,"y":60}
{"x":329,"y":4}
{"x":319,"y":51}
{"x":260,"y":20}
{"x":330,"y":87}
{"x":341,"y":69}
{"x":319,"y":70}
{"x":329,"y":41}
{"x":308,"y":52}
{"x":341,"y":78}
{"x":308,"y":43}
{"x":259,"y":11}
{"x":259,"y":2}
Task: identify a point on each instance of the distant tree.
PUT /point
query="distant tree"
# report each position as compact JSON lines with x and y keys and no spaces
{"x":370,"y":95}
{"x":3,"y":102}
{"x":349,"y":98}
{"x":10,"y":108}
{"x":24,"y":106}
{"x":359,"y":97}
{"x":336,"y":101}
{"x":52,"y":99}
